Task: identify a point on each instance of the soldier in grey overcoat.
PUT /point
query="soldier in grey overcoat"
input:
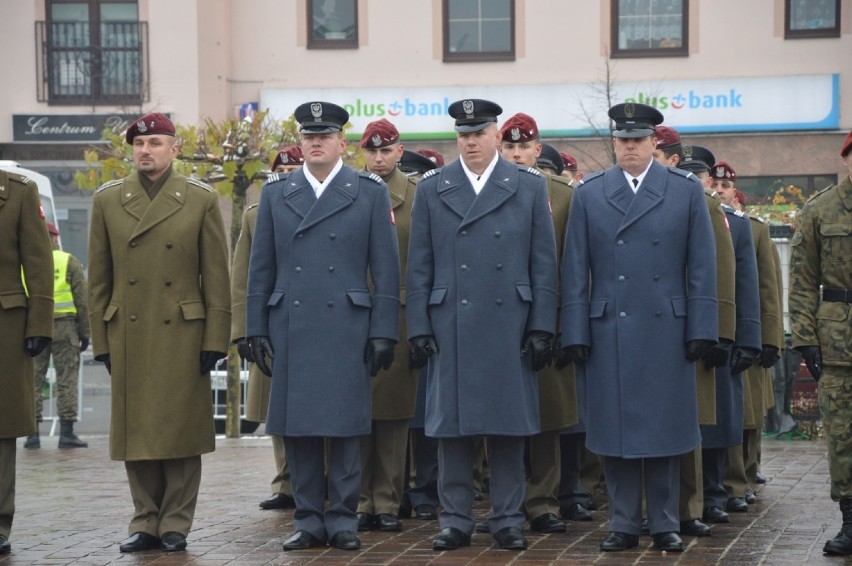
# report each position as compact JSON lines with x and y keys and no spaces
{"x":26,"y":323}
{"x":728,"y":430}
{"x":481,"y":300}
{"x":638,"y":309}
{"x":315,"y":326}
{"x":160,"y":313}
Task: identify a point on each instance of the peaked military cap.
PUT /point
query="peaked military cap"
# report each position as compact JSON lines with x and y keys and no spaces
{"x":320,"y":117}
{"x":150,"y":124}
{"x":696,"y":158}
{"x":413,"y":162}
{"x":634,"y":120}
{"x":519,"y":128}
{"x":474,"y":114}
{"x":550,"y":158}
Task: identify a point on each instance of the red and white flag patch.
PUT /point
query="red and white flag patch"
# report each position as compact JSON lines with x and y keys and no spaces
{"x":393,"y":218}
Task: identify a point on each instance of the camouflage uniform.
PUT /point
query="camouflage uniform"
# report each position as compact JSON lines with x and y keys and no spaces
{"x":68,"y":331}
{"x":822,"y":255}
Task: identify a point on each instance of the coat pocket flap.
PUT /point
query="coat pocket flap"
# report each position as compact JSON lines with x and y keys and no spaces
{"x":597,"y":308}
{"x":436,"y":297}
{"x":13,"y":301}
{"x":831,"y":229}
{"x":193,"y":311}
{"x":835,"y":312}
{"x":360,"y":298}
{"x":524,"y":291}
{"x":679,"y":306}
{"x":275,"y":298}
{"x":110,"y":311}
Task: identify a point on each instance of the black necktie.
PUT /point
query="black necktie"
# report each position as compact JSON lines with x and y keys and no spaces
{"x":635,"y":184}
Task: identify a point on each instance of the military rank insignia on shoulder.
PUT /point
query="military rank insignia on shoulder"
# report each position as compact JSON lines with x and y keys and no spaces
{"x":430,"y":173}
{"x":200,"y":184}
{"x":249,"y":207}
{"x":818,"y":193}
{"x":731,"y":210}
{"x":681,"y":172}
{"x":274,"y":177}
{"x":757,"y":218}
{"x":711,"y":193}
{"x":595,"y":175}
{"x":110,"y":184}
{"x":530,"y":170}
{"x":371,"y":176}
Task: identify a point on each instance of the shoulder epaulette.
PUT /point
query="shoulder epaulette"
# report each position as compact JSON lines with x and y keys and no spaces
{"x":731,"y":210}
{"x":711,"y":193}
{"x":18,"y":177}
{"x":273,"y":177}
{"x":530,"y":170}
{"x":371,"y":176}
{"x":588,"y":178}
{"x":818,"y":193}
{"x":681,"y":172}
{"x":430,"y":173}
{"x":249,"y":207}
{"x":109,"y":184}
{"x":199,"y":184}
{"x":756,"y":218}
{"x":560,"y":180}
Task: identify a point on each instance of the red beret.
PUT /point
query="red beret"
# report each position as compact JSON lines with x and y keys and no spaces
{"x":847,"y":145}
{"x":150,"y":124}
{"x":666,"y":136}
{"x":519,"y":128}
{"x":290,"y":155}
{"x":52,"y":229}
{"x":569,"y":161}
{"x":722,"y":171}
{"x":435,"y":156}
{"x":740,"y":196}
{"x":380,"y":133}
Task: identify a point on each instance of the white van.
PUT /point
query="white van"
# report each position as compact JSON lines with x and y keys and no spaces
{"x":45,"y":190}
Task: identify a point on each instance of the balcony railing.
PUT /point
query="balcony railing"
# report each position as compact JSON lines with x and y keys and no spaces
{"x":82,"y":63}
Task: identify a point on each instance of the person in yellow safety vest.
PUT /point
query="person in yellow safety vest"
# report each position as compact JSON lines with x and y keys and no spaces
{"x":70,"y":337}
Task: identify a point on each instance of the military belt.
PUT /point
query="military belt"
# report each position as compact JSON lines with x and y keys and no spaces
{"x":837,"y":295}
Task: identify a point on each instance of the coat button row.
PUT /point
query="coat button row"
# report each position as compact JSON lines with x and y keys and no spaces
{"x":464,"y":232}
{"x":497,"y":234}
{"x":132,"y":244}
{"x":169,"y":245}
{"x":656,"y":277}
{"x":168,"y":321}
{"x":132,"y":281}
{"x":168,"y":283}
{"x":332,"y":236}
{"x":296,"y":303}
{"x":499,"y":266}
{"x":659,"y":313}
{"x":298,"y":269}
{"x":464,"y":267}
{"x":622,"y":314}
{"x":621,"y":277}
{"x":132,"y":318}
{"x":464,"y":301}
{"x":331,"y":268}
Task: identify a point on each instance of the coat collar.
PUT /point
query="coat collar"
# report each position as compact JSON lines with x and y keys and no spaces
{"x":621,"y":196}
{"x":455,"y":191}
{"x":300,"y":196}
{"x":845,"y":191}
{"x":149,"y":213}
{"x":397,"y":184}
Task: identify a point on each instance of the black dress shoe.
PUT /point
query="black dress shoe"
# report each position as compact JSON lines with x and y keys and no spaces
{"x":750,"y":497}
{"x":278,"y":501}
{"x":450,"y":538}
{"x":760,"y":478}
{"x":670,"y":542}
{"x":736,"y":505}
{"x":426,"y":512}
{"x":714,"y":514}
{"x":482,"y":527}
{"x":646,"y":529}
{"x":694,"y":528}
{"x":591,"y":504}
{"x":615,"y":541}
{"x":345,"y":540}
{"x":302,"y":539}
{"x":575,"y":512}
{"x":172,"y":541}
{"x":139,"y":541}
{"x":5,"y":547}
{"x":547,"y":523}
{"x":366,"y":521}
{"x":387,"y":522}
{"x":511,"y":538}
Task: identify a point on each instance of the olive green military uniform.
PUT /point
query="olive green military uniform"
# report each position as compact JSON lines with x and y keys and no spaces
{"x":691,"y":503}
{"x":741,"y":470}
{"x":259,"y":384}
{"x":159,"y":295}
{"x":557,"y":390}
{"x":394,"y":390}
{"x":24,"y":313}
{"x":69,"y":328}
{"x":822,"y":255}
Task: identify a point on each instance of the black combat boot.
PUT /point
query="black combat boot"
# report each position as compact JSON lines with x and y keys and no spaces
{"x":33,"y":441}
{"x":67,"y":438}
{"x":842,"y":543}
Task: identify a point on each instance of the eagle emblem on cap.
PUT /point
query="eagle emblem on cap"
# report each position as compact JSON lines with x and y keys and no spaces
{"x":316,"y":109}
{"x":467,"y":106}
{"x":629,"y":110}
{"x":687,"y":152}
{"x":720,"y":172}
{"x":516,"y":134}
{"x":377,"y":140}
{"x":140,"y":125}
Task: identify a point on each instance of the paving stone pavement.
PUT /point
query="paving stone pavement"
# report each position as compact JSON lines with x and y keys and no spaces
{"x":73,"y":507}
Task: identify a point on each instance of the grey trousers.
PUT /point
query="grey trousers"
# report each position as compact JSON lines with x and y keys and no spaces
{"x":624,"y":481}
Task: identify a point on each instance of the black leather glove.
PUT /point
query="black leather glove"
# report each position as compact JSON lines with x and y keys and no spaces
{"x":261,"y":349}
{"x":717,"y":355}
{"x":34,"y":345}
{"x":107,"y":361}
{"x":742,"y":359}
{"x":576,"y":354}
{"x":538,"y":342}
{"x":244,"y":350}
{"x":209,"y":359}
{"x":84,"y":343}
{"x":697,"y":349}
{"x":378,"y":354}
{"x":419,"y":350}
{"x":813,"y":359}
{"x":769,"y":356}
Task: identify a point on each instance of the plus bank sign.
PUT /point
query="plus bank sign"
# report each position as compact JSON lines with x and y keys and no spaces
{"x":692,"y":99}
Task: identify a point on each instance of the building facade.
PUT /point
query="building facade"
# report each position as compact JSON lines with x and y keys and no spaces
{"x":764,"y":84}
